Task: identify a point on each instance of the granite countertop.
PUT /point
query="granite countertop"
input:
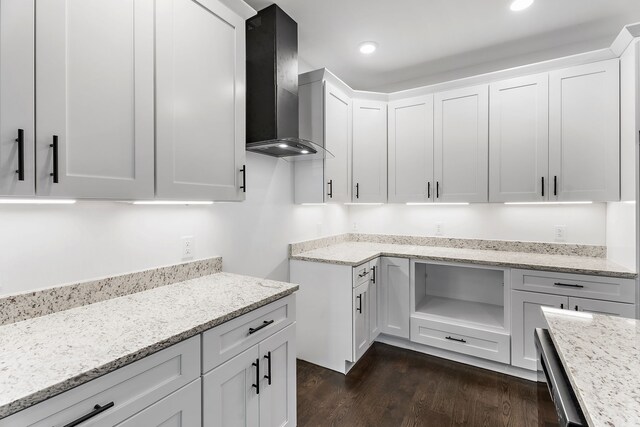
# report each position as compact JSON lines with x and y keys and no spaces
{"x":356,"y":253}
{"x":47,"y":355}
{"x":601,"y":355}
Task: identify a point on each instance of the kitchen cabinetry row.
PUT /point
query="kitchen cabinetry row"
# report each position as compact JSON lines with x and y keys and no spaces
{"x":462,"y":311}
{"x":546,"y":137}
{"x":155,"y":109}
{"x":239,"y":373}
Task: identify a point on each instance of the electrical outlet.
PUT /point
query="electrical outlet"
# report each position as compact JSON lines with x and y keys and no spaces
{"x":187,"y":247}
{"x":439,"y":229}
{"x":560,"y":233}
{"x":355,"y":226}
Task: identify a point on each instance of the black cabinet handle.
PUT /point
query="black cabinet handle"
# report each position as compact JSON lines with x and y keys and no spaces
{"x":437,"y":189}
{"x":54,"y":146}
{"x":576,"y":308}
{"x":568,"y":285}
{"x":373,"y":275}
{"x":456,"y":339}
{"x":429,"y":190}
{"x":357,"y":190}
{"x":555,"y":185}
{"x":96,"y":410}
{"x":257,"y":384}
{"x":562,"y":306}
{"x":359,"y":309}
{"x":243,"y":187}
{"x":330,"y":193}
{"x":264,"y":325}
{"x":543,"y":186}
{"x":363,"y":274}
{"x":268,"y":376}
{"x":20,"y":141}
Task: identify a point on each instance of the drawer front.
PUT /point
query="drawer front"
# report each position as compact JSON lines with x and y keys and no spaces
{"x":361,"y":274}
{"x":575,"y":285}
{"x":131,"y":389}
{"x":474,"y":342}
{"x":603,"y":307}
{"x":232,"y":338}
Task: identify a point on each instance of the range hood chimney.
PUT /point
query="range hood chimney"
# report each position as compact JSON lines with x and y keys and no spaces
{"x":272,"y":87}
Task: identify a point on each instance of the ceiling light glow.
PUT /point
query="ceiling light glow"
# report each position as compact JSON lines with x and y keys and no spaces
{"x":282,"y":145}
{"x":518,"y":5}
{"x":304,"y":151}
{"x":367,"y":48}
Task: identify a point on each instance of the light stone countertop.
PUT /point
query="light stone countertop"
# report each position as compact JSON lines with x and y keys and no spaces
{"x":356,"y":253}
{"x":601,"y":355}
{"x":47,"y":355}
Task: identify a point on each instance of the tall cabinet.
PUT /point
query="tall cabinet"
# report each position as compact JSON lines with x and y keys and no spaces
{"x":94,"y":103}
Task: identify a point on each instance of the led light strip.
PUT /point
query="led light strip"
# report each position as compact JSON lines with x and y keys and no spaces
{"x":37,"y":201}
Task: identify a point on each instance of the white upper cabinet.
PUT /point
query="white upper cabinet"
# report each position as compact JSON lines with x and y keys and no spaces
{"x":94,"y":103}
{"x":461,"y":146}
{"x":411,"y":150}
{"x":17,"y":98}
{"x":369,"y":151}
{"x":337,"y":140}
{"x":200,"y":101}
{"x":519,"y":140}
{"x":584,"y":132}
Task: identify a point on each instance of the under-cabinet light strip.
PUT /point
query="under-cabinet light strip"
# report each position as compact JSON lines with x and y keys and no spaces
{"x":548,"y":203}
{"x":171,"y":202}
{"x":37,"y":201}
{"x":437,"y":204}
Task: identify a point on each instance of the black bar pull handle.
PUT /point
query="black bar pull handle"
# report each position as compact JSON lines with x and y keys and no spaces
{"x":243,"y":187}
{"x":257,"y":384}
{"x":555,"y":185}
{"x":264,"y":325}
{"x":543,"y":186}
{"x":330,"y":193}
{"x":576,"y":308}
{"x":562,"y":306}
{"x":268,"y":376}
{"x":373,"y":274}
{"x":54,"y":146}
{"x":357,"y":190}
{"x":568,"y":285}
{"x":456,"y":339}
{"x":429,"y":190}
{"x":96,"y":411}
{"x":437,"y":189}
{"x":359,"y":309}
{"x":20,"y":141}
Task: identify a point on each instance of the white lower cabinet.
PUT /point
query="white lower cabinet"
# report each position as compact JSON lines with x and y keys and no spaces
{"x":394,"y":297}
{"x":374,"y":300}
{"x":360,"y":320}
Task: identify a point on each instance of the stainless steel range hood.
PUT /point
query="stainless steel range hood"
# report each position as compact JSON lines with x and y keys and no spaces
{"x":272,"y":88}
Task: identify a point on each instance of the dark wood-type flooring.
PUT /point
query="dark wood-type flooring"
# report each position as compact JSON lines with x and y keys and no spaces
{"x":396,"y":387}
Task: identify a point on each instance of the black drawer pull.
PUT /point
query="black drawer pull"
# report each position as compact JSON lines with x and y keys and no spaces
{"x":330,"y":193}
{"x":96,"y":410}
{"x":257,"y":384}
{"x":359,"y":309}
{"x":264,"y":325}
{"x":429,"y":190}
{"x":54,"y":146}
{"x":456,"y":339}
{"x":373,"y":275}
{"x":437,"y":189}
{"x":568,"y":285}
{"x":20,"y":141}
{"x":363,"y":274}
{"x":268,"y":376}
{"x":243,"y":187}
{"x":555,"y":185}
{"x":358,"y":191}
{"x":543,"y":186}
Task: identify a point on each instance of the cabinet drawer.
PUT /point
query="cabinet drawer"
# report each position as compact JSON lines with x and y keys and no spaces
{"x":131,"y":389}
{"x":474,"y":342}
{"x":361,"y":274}
{"x":575,"y":285}
{"x":229,"y":339}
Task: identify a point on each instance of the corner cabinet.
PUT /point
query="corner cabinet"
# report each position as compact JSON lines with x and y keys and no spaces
{"x":200,"y":101}
{"x":369,"y":152}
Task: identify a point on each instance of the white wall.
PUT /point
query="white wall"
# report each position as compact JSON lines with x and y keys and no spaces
{"x":585,"y":224}
{"x":49,"y":245}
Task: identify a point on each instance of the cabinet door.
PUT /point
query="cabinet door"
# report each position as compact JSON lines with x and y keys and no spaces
{"x":584,"y":132}
{"x":229,"y":393}
{"x":526,"y":316}
{"x":603,"y":307}
{"x":94,"y":103}
{"x":337,"y":140}
{"x":411,"y":150}
{"x":374,"y":300}
{"x":179,"y":409}
{"x":278,"y":379}
{"x":369,"y":152}
{"x":394,"y":297}
{"x":519,"y":139}
{"x":200,"y":102}
{"x":17,"y":98}
{"x":360,"y":320}
{"x":462,"y":145}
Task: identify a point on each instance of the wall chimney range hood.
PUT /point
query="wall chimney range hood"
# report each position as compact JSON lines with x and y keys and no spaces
{"x":272,"y":88}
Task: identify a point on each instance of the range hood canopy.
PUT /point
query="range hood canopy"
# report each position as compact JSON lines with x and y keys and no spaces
{"x":272,"y":87}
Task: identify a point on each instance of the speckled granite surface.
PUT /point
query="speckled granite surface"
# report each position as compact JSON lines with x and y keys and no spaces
{"x":47,"y":355}
{"x":15,"y":308}
{"x":356,"y":253}
{"x":601,"y":355}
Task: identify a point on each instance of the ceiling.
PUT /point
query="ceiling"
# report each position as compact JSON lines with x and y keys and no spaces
{"x":426,"y":41}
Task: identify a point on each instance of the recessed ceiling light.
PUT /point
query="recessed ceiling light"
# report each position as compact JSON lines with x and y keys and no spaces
{"x":368,"y":48}
{"x":282,"y":145}
{"x":518,"y":5}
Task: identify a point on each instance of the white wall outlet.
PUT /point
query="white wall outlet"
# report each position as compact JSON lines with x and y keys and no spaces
{"x":355,"y":226}
{"x":187,"y":247}
{"x":439,"y":229}
{"x":560,"y":233}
